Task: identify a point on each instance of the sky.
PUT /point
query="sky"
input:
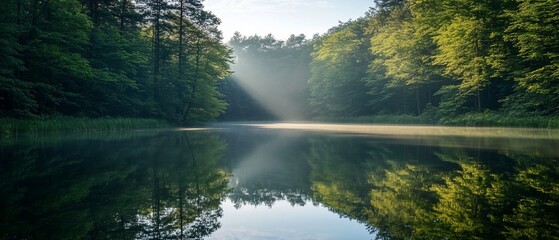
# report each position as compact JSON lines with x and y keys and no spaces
{"x":283,"y":221}
{"x":282,"y":18}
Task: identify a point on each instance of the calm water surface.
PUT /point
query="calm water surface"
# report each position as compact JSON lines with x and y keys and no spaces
{"x":283,"y":181}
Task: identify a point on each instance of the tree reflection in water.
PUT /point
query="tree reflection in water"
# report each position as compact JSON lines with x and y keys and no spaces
{"x":271,"y":168}
{"x":170,"y":185}
{"x":161,"y":186}
{"x":429,"y":192}
{"x":405,"y":189}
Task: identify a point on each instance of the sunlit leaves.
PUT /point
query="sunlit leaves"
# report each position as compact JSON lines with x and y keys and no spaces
{"x":336,"y":48}
{"x":533,"y":31}
{"x":461,"y":52}
{"x":340,"y":61}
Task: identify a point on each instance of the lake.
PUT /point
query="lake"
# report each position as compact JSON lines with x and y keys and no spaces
{"x":283,"y":181}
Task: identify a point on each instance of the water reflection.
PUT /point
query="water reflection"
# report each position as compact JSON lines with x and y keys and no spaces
{"x":166,"y":186}
{"x":271,"y":168}
{"x":419,"y":192}
{"x":410,"y":188}
{"x":187,"y":184}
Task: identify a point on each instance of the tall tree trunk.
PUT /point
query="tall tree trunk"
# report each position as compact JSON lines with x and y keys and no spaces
{"x":478,"y":100}
{"x":93,"y":8}
{"x":19,"y":17}
{"x":156,"y":48}
{"x":123,"y":15}
{"x":196,"y":76}
{"x":34,"y":12}
{"x":181,"y":33}
{"x":404,"y":98}
{"x":417,"y":101}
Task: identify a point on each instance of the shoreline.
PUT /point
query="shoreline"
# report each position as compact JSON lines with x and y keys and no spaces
{"x":14,"y":127}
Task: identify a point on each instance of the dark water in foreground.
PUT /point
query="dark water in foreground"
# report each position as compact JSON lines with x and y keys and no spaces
{"x":262,"y":182}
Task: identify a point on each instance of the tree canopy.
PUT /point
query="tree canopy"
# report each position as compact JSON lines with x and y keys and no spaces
{"x":165,"y":59}
{"x":98,"y":58}
{"x":439,"y":59}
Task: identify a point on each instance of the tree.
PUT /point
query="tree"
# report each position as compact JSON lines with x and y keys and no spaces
{"x":533,"y":32}
{"x":117,"y":54}
{"x":340,"y":61}
{"x":209,"y":63}
{"x":16,"y":95}
{"x":404,"y":46}
{"x":55,"y":37}
{"x":470,"y":45}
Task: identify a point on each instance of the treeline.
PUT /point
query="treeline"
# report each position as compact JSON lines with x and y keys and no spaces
{"x":440,"y":59}
{"x":269,"y":79}
{"x":104,"y":58}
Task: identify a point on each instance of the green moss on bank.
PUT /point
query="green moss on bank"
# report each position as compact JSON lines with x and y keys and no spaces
{"x":10,"y":127}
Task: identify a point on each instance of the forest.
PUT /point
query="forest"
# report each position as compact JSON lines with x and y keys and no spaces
{"x":441,"y":59}
{"x":433,"y":61}
{"x":103,"y":58}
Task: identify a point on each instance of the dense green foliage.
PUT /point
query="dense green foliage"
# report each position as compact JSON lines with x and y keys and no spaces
{"x":99,"y":58}
{"x":339,"y":63}
{"x":440,"y":60}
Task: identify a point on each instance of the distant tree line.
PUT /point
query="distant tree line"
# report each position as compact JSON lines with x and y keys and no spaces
{"x":440,"y":58}
{"x":269,"y":79}
{"x":97,"y":58}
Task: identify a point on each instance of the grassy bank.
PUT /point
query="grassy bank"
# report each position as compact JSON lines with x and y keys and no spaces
{"x":487,"y":119}
{"x":10,"y":127}
{"x":498,"y":120}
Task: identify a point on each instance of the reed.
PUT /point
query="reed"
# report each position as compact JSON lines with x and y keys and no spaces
{"x":10,"y":127}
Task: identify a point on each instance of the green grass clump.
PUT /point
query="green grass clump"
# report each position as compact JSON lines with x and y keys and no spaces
{"x":73,"y":124}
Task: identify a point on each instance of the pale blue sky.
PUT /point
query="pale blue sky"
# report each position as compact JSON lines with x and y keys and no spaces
{"x":283,"y":221}
{"x":284,"y":17}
